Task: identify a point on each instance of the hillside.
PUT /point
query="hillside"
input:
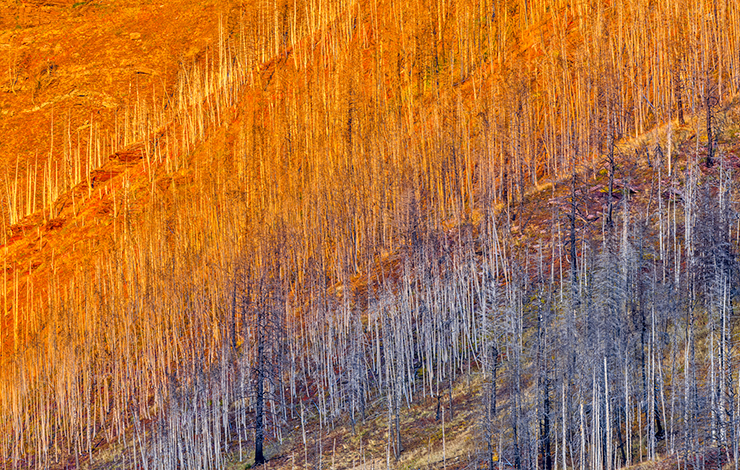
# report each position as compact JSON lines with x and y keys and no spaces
{"x":314,"y":230}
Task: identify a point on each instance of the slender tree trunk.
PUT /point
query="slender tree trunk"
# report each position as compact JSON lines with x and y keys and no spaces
{"x":397,"y":420}
{"x":710,"y":138}
{"x":259,"y":425}
{"x":572,"y":241}
{"x":609,"y":217}
{"x":679,"y":97}
{"x":492,"y":407}
{"x":547,"y":458}
{"x":544,"y":384}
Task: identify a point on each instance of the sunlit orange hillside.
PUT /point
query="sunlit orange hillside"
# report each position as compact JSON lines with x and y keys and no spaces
{"x":340,"y":233}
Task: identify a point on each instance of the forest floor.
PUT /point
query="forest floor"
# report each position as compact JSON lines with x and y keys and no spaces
{"x":426,"y":442}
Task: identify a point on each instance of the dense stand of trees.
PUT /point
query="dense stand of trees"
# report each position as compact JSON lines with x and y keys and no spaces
{"x":354,"y":178}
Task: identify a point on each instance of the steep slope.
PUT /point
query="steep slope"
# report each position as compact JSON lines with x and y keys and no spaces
{"x":331,"y":211}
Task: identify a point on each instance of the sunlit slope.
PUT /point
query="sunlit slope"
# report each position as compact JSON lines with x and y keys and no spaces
{"x":82,"y":146}
{"x":287,"y":172}
{"x":76,"y":71}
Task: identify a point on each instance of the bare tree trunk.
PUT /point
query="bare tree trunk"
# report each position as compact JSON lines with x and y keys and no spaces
{"x":547,"y":457}
{"x":710,"y":138}
{"x":679,"y":97}
{"x":572,"y":240}
{"x":492,"y":407}
{"x":259,"y":425}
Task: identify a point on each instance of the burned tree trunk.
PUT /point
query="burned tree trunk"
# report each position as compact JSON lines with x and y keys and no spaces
{"x":259,"y":424}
